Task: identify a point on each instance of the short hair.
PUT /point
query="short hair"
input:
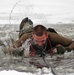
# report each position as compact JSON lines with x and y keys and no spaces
{"x":39,"y":30}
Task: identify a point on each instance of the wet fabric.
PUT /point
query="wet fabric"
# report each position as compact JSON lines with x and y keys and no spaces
{"x":45,"y":49}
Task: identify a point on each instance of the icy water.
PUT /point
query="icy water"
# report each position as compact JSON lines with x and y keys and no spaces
{"x":61,"y":65}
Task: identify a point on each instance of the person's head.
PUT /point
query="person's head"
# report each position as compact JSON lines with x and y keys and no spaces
{"x":39,"y":34}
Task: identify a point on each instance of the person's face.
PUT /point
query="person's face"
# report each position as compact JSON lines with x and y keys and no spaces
{"x":39,"y":40}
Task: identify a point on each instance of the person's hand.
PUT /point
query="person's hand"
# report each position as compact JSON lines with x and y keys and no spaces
{"x":15,"y":44}
{"x":59,"y":49}
{"x":18,"y":51}
{"x":68,"y":49}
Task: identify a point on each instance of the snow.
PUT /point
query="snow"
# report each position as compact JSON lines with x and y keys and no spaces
{"x":25,"y":73}
{"x":40,"y":11}
{"x":14,"y":73}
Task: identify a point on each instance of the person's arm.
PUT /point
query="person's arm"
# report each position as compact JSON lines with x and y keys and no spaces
{"x":23,"y":38}
{"x":58,"y":39}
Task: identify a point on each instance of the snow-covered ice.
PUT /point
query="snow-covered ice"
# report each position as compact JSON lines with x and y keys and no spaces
{"x":22,"y":73}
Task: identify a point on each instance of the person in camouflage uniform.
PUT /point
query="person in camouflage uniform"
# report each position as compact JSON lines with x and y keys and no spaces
{"x":44,"y":41}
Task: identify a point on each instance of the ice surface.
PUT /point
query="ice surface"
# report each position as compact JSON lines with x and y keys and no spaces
{"x":63,"y":65}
